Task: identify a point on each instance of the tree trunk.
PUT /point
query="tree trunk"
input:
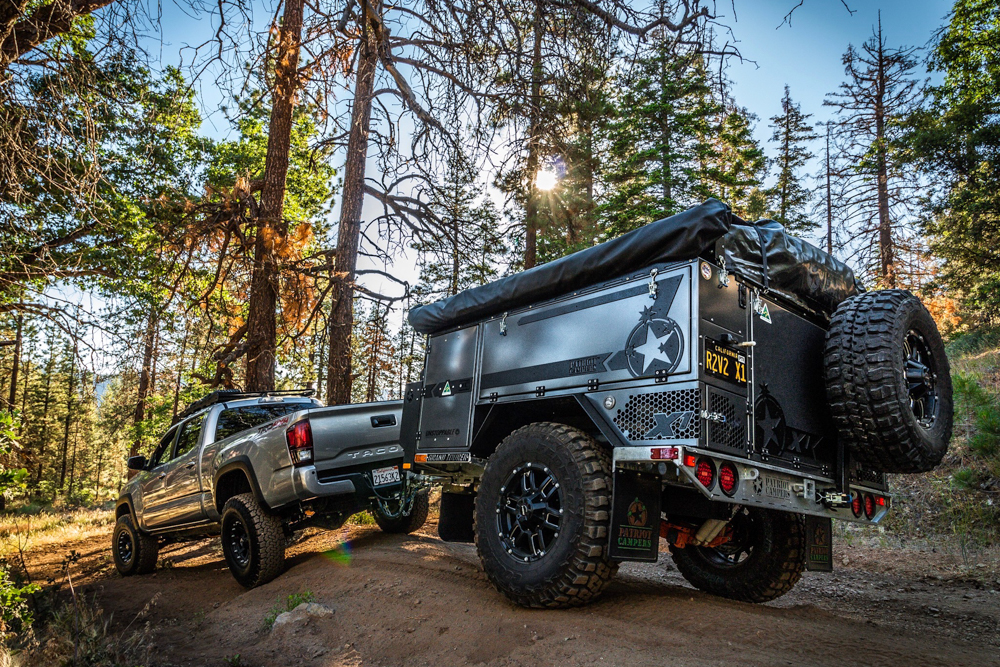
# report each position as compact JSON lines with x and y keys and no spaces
{"x":272,"y":232}
{"x":534,"y":143}
{"x":829,"y":197}
{"x":43,"y":434}
{"x":338,"y":379}
{"x":180,"y":371}
{"x":144,"y":376}
{"x":70,"y":388}
{"x":886,"y":249}
{"x":12,"y":399}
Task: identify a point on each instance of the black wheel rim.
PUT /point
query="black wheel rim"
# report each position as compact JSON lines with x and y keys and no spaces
{"x":740,"y":547}
{"x":239,"y":542}
{"x":921,"y":381}
{"x":125,"y":547}
{"x":529,"y":512}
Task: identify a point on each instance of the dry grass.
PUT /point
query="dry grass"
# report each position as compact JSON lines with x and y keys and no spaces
{"x":31,"y":529}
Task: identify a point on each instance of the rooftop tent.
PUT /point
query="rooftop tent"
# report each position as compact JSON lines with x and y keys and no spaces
{"x":813,"y":279}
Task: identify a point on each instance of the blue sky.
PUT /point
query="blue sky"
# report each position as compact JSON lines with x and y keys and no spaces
{"x":807,"y":54}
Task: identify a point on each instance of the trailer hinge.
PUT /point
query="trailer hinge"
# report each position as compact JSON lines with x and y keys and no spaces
{"x":417,"y":437}
{"x":540,"y":390}
{"x":661,"y":375}
{"x":743,"y":296}
{"x":593,"y":384}
{"x":723,"y":274}
{"x":494,"y":396}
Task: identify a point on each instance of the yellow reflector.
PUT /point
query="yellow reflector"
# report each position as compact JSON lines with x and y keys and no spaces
{"x":420,"y":458}
{"x":406,"y":466}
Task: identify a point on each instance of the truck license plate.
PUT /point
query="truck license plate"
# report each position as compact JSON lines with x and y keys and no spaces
{"x":724,"y":362}
{"x":383,"y":476}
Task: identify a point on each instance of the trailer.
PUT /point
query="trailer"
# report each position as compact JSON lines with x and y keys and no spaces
{"x":715,"y":383}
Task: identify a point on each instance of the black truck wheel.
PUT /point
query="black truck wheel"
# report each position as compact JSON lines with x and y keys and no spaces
{"x":394,"y":522}
{"x":135,"y":552}
{"x":888,"y":382}
{"x":763,"y":560}
{"x":542,"y":517}
{"x":253,"y":541}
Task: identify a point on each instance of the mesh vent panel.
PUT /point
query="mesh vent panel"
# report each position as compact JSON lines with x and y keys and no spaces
{"x":732,"y":434}
{"x":635,"y":418}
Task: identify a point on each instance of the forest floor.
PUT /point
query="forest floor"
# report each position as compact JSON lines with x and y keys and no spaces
{"x":414,"y":600}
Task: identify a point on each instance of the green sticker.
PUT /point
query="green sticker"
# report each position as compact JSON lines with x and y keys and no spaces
{"x":447,"y":386}
{"x":764,"y":313}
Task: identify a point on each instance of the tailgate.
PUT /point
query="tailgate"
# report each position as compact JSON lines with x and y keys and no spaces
{"x":348,"y":435}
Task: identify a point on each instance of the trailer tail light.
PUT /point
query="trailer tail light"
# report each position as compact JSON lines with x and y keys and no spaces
{"x":300,"y":442}
{"x":869,"y":505}
{"x":690,"y":461}
{"x":728,"y":478}
{"x":663,"y":453}
{"x":880,"y":500}
{"x":857,"y":504}
{"x":705,"y":472}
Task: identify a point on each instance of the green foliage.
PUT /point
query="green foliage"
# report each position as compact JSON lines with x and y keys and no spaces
{"x":734,"y":165}
{"x":290,"y":603}
{"x":15,"y":614}
{"x":15,"y":478}
{"x":656,"y":138}
{"x":791,"y":198}
{"x":955,"y":139}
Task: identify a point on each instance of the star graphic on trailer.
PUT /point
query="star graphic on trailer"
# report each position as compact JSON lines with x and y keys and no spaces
{"x":653,"y":348}
{"x":768,"y":424}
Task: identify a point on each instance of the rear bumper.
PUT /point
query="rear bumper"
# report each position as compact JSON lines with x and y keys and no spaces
{"x":758,"y":485}
{"x":307,"y":483}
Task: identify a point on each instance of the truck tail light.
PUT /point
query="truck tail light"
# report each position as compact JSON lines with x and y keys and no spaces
{"x":869,"y":505}
{"x":300,"y":442}
{"x":728,"y":478}
{"x":705,"y":472}
{"x":856,"y":504}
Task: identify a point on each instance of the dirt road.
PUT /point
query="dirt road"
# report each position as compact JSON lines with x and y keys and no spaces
{"x":418,"y":601}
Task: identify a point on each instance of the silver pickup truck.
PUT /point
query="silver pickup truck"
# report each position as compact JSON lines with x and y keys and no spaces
{"x":258,"y":467}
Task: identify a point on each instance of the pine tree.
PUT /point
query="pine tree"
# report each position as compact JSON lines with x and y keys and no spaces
{"x":734,"y":165}
{"x":654,"y":139}
{"x":881,"y":189}
{"x":469,"y":248}
{"x":791,"y":197}
{"x":955,"y":140}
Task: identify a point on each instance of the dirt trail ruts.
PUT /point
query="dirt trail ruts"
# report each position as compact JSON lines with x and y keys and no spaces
{"x":414,"y":600}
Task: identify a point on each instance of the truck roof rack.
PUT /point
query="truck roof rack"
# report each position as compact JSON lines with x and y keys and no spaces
{"x":226,"y":395}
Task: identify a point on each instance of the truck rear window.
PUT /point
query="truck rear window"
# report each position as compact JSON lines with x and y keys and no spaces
{"x":234,"y":420}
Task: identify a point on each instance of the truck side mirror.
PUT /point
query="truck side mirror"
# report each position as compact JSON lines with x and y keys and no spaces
{"x":137,"y":463}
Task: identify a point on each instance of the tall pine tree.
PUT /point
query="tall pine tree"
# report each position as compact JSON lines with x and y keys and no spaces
{"x":655,"y":137}
{"x":734,"y":165}
{"x":792,"y":132}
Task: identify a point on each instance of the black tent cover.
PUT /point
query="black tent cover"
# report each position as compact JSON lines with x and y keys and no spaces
{"x":788,"y":266}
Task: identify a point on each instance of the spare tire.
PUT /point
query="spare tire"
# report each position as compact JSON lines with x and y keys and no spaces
{"x":888,"y":382}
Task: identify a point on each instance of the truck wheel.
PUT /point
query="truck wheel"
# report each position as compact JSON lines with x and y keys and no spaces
{"x":253,"y":541}
{"x":888,"y":382}
{"x":763,"y":560}
{"x":134,"y":552}
{"x":405,"y":523}
{"x":542,"y":517}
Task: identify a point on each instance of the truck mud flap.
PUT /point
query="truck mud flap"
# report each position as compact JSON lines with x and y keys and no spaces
{"x":635,"y":516}
{"x":819,"y":544}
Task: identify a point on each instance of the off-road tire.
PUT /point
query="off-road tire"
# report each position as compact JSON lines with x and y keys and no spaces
{"x":867,"y":388}
{"x":143,"y":549}
{"x":455,"y":518}
{"x":772,"y":569}
{"x":576,"y":567}
{"x":265,"y":541}
{"x":406,"y":523}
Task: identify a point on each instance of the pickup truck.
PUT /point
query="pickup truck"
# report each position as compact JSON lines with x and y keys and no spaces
{"x":255,"y":468}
